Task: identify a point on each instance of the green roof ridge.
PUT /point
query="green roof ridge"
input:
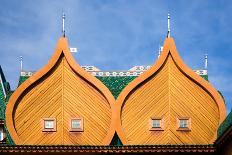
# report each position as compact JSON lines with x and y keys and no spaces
{"x":225,"y":125}
{"x":2,"y":109}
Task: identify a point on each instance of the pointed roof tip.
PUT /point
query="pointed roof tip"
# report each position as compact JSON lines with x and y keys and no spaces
{"x":168,"y":44}
{"x":62,"y":42}
{"x":169,"y":39}
{"x":62,"y":38}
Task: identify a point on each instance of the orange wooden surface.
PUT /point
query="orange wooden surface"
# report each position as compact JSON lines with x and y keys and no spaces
{"x":169,"y":89}
{"x":61,"y":90}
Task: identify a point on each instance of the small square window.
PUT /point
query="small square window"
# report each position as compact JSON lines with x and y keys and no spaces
{"x":156,"y":124}
{"x":49,"y":124}
{"x":184,"y":124}
{"x":76,"y":124}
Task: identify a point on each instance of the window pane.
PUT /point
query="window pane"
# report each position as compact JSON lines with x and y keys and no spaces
{"x":1,"y":133}
{"x":183,"y":123}
{"x":156,"y":123}
{"x":49,"y":124}
{"x":76,"y":124}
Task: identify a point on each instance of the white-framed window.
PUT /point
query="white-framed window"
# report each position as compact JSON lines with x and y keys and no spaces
{"x":49,"y":124}
{"x":184,"y":124}
{"x":156,"y":124}
{"x":76,"y":124}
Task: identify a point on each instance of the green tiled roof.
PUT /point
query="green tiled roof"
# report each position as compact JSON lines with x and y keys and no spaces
{"x":116,"y":84}
{"x":226,"y":124}
{"x":2,"y":109}
{"x":22,"y":79}
{"x":2,"y":98}
{"x":205,"y":77}
{"x":116,"y":140}
{"x":3,"y":102}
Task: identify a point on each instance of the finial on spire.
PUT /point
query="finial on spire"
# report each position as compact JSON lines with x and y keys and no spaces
{"x":206,"y":61}
{"x":21,"y":63}
{"x":169,"y":28}
{"x":63,"y":24}
{"x":160,"y":50}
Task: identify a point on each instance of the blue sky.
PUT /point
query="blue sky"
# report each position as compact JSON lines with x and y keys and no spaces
{"x":119,"y":34}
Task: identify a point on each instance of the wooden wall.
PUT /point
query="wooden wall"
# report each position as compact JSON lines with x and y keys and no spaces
{"x":62,"y":94}
{"x":169,"y":94}
{"x":63,"y":90}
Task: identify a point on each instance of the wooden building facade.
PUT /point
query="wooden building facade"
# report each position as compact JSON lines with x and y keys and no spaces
{"x":168,"y":109}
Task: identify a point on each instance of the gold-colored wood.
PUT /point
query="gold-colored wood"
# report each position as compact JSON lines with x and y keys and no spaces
{"x":63,"y":95}
{"x":61,"y":90}
{"x":169,"y":94}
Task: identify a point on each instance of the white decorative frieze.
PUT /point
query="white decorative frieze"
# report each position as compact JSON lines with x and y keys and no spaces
{"x":134,"y":71}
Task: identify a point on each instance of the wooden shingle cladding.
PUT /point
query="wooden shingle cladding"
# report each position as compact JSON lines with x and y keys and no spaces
{"x":61,"y":90}
{"x":169,"y":89}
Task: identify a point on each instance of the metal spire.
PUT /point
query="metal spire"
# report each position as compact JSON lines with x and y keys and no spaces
{"x":160,"y":50}
{"x":206,"y":61}
{"x":63,"y":24}
{"x":21,"y":63}
{"x":169,"y":28}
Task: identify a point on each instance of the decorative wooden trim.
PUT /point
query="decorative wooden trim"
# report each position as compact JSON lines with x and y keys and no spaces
{"x":86,"y":149}
{"x":62,"y":48}
{"x":161,"y":128}
{"x":81,"y":129}
{"x":43,"y":125}
{"x":168,"y":48}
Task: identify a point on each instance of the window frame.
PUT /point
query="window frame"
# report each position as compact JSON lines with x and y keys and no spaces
{"x":161,"y":128}
{"x":3,"y":134}
{"x":188,"y":128}
{"x":81,"y":129}
{"x":49,"y":129}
